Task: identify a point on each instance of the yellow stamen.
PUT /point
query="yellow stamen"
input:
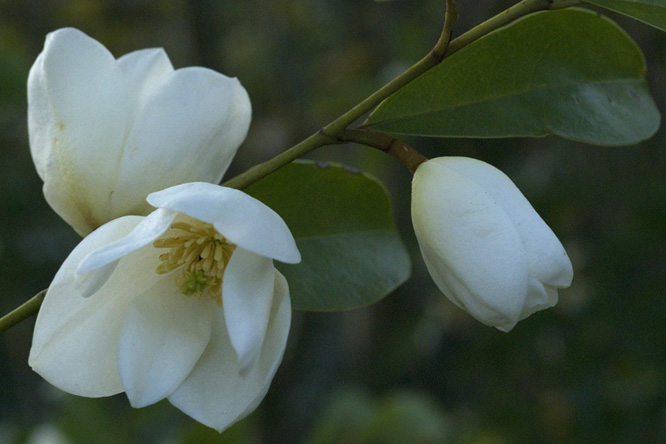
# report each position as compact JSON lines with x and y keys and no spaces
{"x":203,"y":255}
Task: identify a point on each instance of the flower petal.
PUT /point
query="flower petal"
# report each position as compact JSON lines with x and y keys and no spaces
{"x":216,"y":393}
{"x":162,"y":338}
{"x":469,"y":245}
{"x":547,"y":258}
{"x":539,"y":297}
{"x":87,"y":284}
{"x":149,"y":229}
{"x":242,"y":219}
{"x":247,"y":296}
{"x":74,"y":85}
{"x":142,"y":71}
{"x":75,"y":339}
{"x":188,"y":129}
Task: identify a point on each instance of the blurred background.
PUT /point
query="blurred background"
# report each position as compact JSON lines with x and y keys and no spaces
{"x":412,"y":368}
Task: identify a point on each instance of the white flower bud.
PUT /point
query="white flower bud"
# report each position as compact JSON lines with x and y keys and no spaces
{"x":484,"y":245}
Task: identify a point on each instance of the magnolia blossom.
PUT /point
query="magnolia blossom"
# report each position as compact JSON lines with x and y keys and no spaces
{"x":484,"y":245}
{"x":104,"y":133}
{"x":184,"y":304}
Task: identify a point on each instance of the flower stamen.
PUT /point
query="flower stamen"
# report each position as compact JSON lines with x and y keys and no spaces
{"x":203,"y":255}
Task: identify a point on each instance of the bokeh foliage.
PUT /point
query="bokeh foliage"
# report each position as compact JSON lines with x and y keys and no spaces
{"x":593,"y":369}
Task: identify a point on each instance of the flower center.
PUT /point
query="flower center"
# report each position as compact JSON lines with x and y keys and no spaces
{"x":203,"y":254}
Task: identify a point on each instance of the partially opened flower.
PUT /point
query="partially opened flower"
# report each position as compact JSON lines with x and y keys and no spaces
{"x":184,"y":304}
{"x":484,"y":245}
{"x":104,"y":133}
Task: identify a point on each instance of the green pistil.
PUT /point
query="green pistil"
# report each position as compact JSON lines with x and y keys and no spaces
{"x":195,"y":283}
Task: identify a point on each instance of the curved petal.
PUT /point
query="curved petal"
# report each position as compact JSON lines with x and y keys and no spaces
{"x":40,"y":118}
{"x":548,"y":260}
{"x":242,"y":219}
{"x":149,"y":229}
{"x":188,"y":129}
{"x":539,"y":297}
{"x":469,"y":245}
{"x":75,"y":339}
{"x":247,"y":297}
{"x":216,"y":393}
{"x":164,"y":334}
{"x":87,"y":284}
{"x":77,"y":120}
{"x":142,"y":71}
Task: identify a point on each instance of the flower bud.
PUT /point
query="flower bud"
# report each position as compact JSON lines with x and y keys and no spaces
{"x":484,"y":245}
{"x":104,"y":133}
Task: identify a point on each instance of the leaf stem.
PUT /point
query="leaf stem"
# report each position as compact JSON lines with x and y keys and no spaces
{"x":23,"y":312}
{"x":407,"y":155}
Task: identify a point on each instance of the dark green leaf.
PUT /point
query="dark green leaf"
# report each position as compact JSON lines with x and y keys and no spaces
{"x":652,"y":12}
{"x":569,"y":72}
{"x":343,"y":225}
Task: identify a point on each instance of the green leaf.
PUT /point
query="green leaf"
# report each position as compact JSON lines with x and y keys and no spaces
{"x":343,"y":224}
{"x":652,"y":12}
{"x":569,"y":72}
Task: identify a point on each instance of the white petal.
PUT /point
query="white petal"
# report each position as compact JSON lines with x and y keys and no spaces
{"x":216,"y":393}
{"x":149,"y":229}
{"x":40,"y":121}
{"x":87,"y":284}
{"x":242,"y":219}
{"x":469,"y":245}
{"x":188,"y":129}
{"x":247,"y":296}
{"x":548,"y":260}
{"x":142,"y":71}
{"x":77,"y":120}
{"x":539,"y":297}
{"x":162,"y":338}
{"x":76,"y":339}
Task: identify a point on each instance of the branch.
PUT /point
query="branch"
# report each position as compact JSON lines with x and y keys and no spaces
{"x":330,"y":134}
{"x":29,"y":308}
{"x":407,"y":155}
{"x":505,"y":17}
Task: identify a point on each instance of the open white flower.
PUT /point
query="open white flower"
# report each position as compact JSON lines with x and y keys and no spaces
{"x":484,"y":245}
{"x":184,"y":304}
{"x":104,"y":133}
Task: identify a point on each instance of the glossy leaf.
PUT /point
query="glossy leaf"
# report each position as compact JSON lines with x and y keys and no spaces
{"x":652,"y":12}
{"x":342,"y":221}
{"x":569,"y":72}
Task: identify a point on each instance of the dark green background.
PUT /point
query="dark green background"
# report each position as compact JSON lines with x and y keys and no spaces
{"x":412,"y":368}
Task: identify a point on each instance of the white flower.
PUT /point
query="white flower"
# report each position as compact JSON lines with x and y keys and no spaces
{"x":184,"y":304}
{"x":484,"y":245}
{"x":104,"y":133}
